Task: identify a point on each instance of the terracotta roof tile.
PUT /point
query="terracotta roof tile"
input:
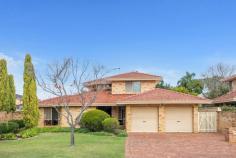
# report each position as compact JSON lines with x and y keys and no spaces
{"x":231,"y":78}
{"x":134,"y":75}
{"x":103,"y":97}
{"x":164,"y":96}
{"x":229,"y":97}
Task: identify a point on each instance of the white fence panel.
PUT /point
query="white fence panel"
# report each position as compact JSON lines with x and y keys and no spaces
{"x":207,"y":121}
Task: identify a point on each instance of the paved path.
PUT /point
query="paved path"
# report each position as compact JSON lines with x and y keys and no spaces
{"x":207,"y":145}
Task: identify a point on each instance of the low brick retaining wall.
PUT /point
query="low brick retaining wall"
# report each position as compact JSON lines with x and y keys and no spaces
{"x":4,"y":116}
{"x":225,"y":120}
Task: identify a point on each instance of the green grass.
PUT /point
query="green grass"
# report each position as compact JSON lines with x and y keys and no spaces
{"x":56,"y":145}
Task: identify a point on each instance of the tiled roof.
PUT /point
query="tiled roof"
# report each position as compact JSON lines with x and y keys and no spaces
{"x":125,"y":77}
{"x":102,"y":98}
{"x":164,"y":96}
{"x":231,"y":78}
{"x":134,"y":76}
{"x":229,"y":97}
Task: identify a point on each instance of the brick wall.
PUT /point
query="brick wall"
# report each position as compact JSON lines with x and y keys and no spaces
{"x":224,"y":120}
{"x":4,"y":116}
{"x":118,"y":87}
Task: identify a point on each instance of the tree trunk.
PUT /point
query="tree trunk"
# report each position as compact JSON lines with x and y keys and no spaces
{"x":72,"y":136}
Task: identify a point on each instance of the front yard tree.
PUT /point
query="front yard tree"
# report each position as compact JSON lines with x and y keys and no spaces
{"x":12,"y":93}
{"x":4,"y":86}
{"x":67,"y":78}
{"x":30,"y":100}
{"x":213,"y":85}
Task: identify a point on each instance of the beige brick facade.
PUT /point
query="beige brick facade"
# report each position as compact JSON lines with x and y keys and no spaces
{"x":41,"y":117}
{"x":128,"y":118}
{"x":195,"y":118}
{"x":118,"y":87}
{"x":161,"y":117}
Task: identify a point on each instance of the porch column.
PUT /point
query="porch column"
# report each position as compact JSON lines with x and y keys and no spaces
{"x":161,"y":118}
{"x":128,"y":118}
{"x":195,"y":118}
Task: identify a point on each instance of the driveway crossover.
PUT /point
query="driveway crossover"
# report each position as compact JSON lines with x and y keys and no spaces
{"x":176,"y":145}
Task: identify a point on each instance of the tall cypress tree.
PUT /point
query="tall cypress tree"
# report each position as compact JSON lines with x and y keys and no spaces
{"x":12,"y":93}
{"x":4,"y":86}
{"x":30,"y":100}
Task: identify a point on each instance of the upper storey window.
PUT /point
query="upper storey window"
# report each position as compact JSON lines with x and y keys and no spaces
{"x":133,"y":86}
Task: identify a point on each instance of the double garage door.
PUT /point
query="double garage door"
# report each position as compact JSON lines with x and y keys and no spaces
{"x":177,"y":119}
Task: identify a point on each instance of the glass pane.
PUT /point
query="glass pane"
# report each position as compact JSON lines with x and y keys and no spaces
{"x":54,"y":114}
{"x":136,"y":86}
{"x":128,"y":86}
{"x":47,"y":113}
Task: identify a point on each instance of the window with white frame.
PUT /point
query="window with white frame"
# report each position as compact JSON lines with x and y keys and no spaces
{"x":133,"y":86}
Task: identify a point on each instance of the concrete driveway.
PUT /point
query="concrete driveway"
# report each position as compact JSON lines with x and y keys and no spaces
{"x":176,"y":145}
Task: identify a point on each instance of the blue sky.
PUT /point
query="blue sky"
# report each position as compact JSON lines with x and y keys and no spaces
{"x":164,"y":37}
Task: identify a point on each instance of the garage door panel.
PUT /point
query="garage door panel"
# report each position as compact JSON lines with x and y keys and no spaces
{"x":178,"y":119}
{"x":144,"y":119}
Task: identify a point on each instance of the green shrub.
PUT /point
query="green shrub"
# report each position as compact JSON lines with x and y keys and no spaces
{"x":120,"y":133}
{"x":92,"y":120}
{"x":8,"y":136}
{"x":31,"y":132}
{"x":56,"y":129}
{"x":228,"y":108}
{"x":110,"y":124}
{"x":19,"y":122}
{"x":8,"y":127}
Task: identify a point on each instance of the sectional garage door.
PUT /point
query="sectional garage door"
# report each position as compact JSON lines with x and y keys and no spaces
{"x":178,"y":119}
{"x":144,"y":119}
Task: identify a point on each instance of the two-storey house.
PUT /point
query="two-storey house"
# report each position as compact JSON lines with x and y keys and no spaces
{"x":135,"y":101}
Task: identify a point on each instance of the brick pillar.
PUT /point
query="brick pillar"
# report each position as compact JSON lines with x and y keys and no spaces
{"x":41,"y":117}
{"x":114,"y":111}
{"x":128,"y":118}
{"x":161,"y":117}
{"x":195,"y":118}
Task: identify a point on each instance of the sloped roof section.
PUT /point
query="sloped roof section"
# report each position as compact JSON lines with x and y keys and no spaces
{"x":130,"y":76}
{"x":134,"y":76}
{"x":164,"y":96}
{"x":228,"y":79}
{"x":229,"y":97}
{"x":102,"y":98}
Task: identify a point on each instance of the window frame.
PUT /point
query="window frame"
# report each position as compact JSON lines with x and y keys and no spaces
{"x":130,"y":86}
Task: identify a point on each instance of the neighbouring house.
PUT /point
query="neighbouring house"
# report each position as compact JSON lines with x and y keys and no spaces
{"x":230,"y":97}
{"x":19,"y":102}
{"x":133,"y":99}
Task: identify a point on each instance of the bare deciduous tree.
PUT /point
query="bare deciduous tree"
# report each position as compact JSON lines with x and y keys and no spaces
{"x":67,"y":78}
{"x":213,"y":85}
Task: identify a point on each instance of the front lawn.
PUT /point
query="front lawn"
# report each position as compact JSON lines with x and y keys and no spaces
{"x":54,"y":145}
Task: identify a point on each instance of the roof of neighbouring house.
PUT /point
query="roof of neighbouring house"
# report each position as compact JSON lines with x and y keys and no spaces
{"x":18,"y":96}
{"x":229,"y":97}
{"x":129,"y":76}
{"x":102,"y":98}
{"x":164,"y":96}
{"x":231,"y":78}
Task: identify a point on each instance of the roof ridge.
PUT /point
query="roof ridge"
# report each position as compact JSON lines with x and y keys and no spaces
{"x":133,"y":72}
